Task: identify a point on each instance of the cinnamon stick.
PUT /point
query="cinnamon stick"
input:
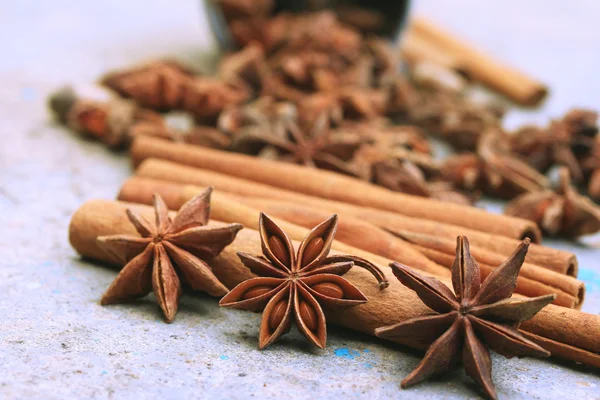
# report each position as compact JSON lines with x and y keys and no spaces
{"x":556,"y":260}
{"x":525,"y":286}
{"x":477,"y":65}
{"x":332,"y":186}
{"x":564,"y":328}
{"x":374,"y":241}
{"x":416,"y":49}
{"x":566,"y":284}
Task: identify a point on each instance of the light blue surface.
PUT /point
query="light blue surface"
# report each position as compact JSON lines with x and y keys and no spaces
{"x":56,"y":342}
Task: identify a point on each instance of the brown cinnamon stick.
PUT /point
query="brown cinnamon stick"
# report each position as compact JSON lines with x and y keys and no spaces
{"x":566,"y":284}
{"x":563,"y":328}
{"x":371,"y":239}
{"x":556,"y":260}
{"x":374,"y":241}
{"x":525,"y":286}
{"x":332,"y":186}
{"x":507,"y":80}
{"x":416,"y":49}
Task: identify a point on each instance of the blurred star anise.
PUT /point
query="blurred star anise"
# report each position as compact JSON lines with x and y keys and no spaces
{"x":166,"y":250}
{"x":295,"y":285}
{"x":494,"y":169}
{"x":318,"y":147}
{"x":476,"y":316}
{"x":562,"y":212}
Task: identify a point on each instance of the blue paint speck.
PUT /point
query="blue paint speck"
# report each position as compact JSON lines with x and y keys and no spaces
{"x":366,"y":351}
{"x":368,"y":366}
{"x":224,"y":357}
{"x":28,"y":93}
{"x":55,"y":291}
{"x":47,"y":263}
{"x":346,"y":353}
{"x":591,"y":279}
{"x":104,"y":372}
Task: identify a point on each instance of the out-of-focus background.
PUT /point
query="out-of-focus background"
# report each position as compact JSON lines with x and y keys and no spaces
{"x":57,"y":342}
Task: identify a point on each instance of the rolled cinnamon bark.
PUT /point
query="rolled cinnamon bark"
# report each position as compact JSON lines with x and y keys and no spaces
{"x":416,"y":49}
{"x":507,"y":80}
{"x":564,"y":328}
{"x":525,"y":286}
{"x":374,"y":241}
{"x":332,"y":186}
{"x":371,"y":239}
{"x":566,"y":284}
{"x":556,"y":260}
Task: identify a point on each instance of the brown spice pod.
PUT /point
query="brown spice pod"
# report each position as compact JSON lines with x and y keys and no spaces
{"x":563,"y":327}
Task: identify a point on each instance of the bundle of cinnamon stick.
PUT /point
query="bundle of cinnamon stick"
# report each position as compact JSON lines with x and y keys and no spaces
{"x":567,"y":333}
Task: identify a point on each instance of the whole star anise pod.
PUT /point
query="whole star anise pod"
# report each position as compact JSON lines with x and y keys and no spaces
{"x":476,"y":316}
{"x":493,"y":170}
{"x":565,"y":141}
{"x":159,"y":85}
{"x":318,"y":147}
{"x":562,"y":212}
{"x":166,"y":252}
{"x":104,"y":117}
{"x":295,"y":285}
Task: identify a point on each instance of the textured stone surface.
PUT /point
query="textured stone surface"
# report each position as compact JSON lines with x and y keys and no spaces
{"x":57,"y":342}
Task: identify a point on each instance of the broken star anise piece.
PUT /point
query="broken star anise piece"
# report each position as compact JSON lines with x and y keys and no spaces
{"x":476,"y":316}
{"x":167,"y":250}
{"x":562,"y":212}
{"x":295,"y":285}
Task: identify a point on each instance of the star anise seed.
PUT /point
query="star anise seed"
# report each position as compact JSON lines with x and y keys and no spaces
{"x":294,"y":285}
{"x":476,"y":316}
{"x":167,"y":251}
{"x":562,"y":212}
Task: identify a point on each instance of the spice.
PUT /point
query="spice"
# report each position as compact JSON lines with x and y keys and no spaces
{"x":555,"y":281}
{"x":331,"y":186}
{"x":157,"y":85}
{"x":165,"y":86}
{"x":296,"y":285}
{"x":476,"y":316}
{"x":494,"y":169}
{"x":561,"y":212}
{"x":99,"y":114}
{"x":565,"y":141}
{"x":571,"y":334}
{"x":150,"y":257}
{"x":512,"y":83}
{"x":319,"y":147}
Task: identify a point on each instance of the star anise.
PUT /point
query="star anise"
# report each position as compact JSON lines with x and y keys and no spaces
{"x":562,"y":212}
{"x":168,"y":86}
{"x":476,"y":316}
{"x":295,"y":285}
{"x":493,"y":170}
{"x":565,"y":141}
{"x":166,"y":251}
{"x":318,"y":147}
{"x":158,"y":85}
{"x":248,"y":64}
{"x":107,"y":118}
{"x":260,"y":113}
